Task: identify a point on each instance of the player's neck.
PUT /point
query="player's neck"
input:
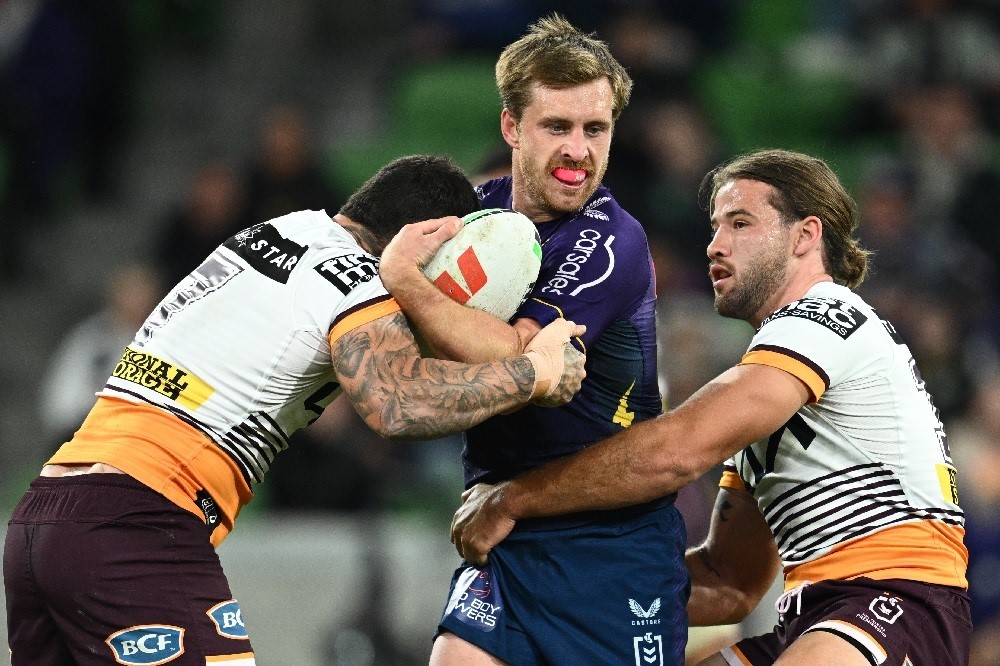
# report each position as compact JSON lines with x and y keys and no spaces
{"x":365,"y":238}
{"x":793,"y":290}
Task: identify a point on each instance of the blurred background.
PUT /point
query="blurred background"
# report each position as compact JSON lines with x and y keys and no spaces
{"x":135,"y":135}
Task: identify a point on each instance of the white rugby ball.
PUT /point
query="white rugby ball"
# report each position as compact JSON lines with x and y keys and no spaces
{"x":491,"y":264}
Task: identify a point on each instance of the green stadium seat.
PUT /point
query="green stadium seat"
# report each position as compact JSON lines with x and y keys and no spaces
{"x":446,"y":107}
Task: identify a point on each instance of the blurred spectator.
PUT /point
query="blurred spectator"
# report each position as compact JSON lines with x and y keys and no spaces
{"x":946,"y":145}
{"x":682,"y":148}
{"x":65,"y":88}
{"x":440,"y":28}
{"x":213,"y":212}
{"x":284,"y":177}
{"x":913,"y":43}
{"x":975,"y":444}
{"x":83,"y":360}
{"x":658,"y":53}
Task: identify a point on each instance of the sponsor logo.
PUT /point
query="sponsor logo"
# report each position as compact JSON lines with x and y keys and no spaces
{"x":838,"y":316}
{"x":948,"y":481}
{"x":475,"y":601}
{"x":472,"y":273}
{"x":165,"y":378}
{"x":347,"y":272}
{"x":886,"y":608}
{"x":591,"y":209}
{"x":208,"y":507}
{"x":568,"y":272}
{"x":648,"y":649}
{"x":267,"y":251}
{"x":147,"y":645}
{"x":648,"y":616}
{"x":228,"y":620}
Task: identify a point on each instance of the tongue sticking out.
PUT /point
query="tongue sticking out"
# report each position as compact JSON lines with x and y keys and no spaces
{"x":569,"y":176}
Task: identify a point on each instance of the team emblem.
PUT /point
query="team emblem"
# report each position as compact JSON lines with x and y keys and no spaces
{"x":886,"y":608}
{"x":648,"y":649}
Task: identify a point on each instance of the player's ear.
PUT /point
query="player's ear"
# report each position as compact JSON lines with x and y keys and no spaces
{"x":809,"y":235}
{"x":508,"y":128}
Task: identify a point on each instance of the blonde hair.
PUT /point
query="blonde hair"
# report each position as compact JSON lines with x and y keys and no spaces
{"x":804,"y":186}
{"x":556,"y":54}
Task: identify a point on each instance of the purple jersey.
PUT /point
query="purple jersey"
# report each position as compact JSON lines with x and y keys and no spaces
{"x":596,"y":270}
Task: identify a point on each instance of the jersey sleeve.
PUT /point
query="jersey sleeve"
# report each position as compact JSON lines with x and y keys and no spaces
{"x":593,"y":274}
{"x":348,"y":280}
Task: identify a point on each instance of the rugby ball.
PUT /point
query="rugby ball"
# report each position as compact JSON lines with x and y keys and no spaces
{"x":491,"y":264}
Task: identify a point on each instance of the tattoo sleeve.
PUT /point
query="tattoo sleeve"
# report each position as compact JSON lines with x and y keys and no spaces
{"x":403,"y":396}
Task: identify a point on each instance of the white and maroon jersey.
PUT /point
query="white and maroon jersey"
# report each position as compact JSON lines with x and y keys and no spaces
{"x":233,"y":361}
{"x":860,"y":481}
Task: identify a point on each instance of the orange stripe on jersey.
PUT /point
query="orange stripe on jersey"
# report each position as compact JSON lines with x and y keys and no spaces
{"x":362,"y":316}
{"x":241,"y":658}
{"x":737,"y":653}
{"x":926,"y":551}
{"x":162,"y":452}
{"x":793,"y":366}
{"x":731,"y":480}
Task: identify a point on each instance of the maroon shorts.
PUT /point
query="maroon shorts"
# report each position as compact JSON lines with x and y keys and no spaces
{"x":100,"y":569}
{"x":888,"y":621}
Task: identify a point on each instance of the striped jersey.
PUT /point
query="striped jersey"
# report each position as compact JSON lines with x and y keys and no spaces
{"x":231,"y":362}
{"x":860,"y":481}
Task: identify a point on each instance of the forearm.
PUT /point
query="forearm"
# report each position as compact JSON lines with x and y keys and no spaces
{"x":657,"y":457}
{"x":403,"y":396}
{"x":430,"y":398}
{"x":613,"y":473}
{"x":452,"y":330}
{"x":713,"y":601}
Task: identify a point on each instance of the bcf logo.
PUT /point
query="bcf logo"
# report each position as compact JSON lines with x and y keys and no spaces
{"x":228,"y":619}
{"x":147,"y":645}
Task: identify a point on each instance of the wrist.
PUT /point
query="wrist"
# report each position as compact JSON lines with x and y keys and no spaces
{"x":510,"y":500}
{"x":544,"y":372}
{"x":406,"y":284}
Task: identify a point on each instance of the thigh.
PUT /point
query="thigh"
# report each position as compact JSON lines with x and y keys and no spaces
{"x":818,"y":648}
{"x":450,"y":650}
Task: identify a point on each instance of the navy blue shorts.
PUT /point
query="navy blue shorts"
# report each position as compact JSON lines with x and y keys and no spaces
{"x":99,"y":569}
{"x":612,"y":591}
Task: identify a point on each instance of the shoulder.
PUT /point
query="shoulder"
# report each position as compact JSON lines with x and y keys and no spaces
{"x":603,"y":223}
{"x":495,"y":193}
{"x":826,"y":313}
{"x":831,"y":330}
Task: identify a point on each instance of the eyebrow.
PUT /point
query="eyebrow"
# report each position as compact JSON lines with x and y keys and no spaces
{"x":730,"y":214}
{"x":544,"y":120}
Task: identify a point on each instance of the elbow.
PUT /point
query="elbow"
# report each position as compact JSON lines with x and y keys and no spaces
{"x":397,"y":429}
{"x":671,"y":469}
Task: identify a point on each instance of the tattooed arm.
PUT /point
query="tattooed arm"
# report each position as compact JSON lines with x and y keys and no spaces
{"x":732,"y":571}
{"x":403,"y":396}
